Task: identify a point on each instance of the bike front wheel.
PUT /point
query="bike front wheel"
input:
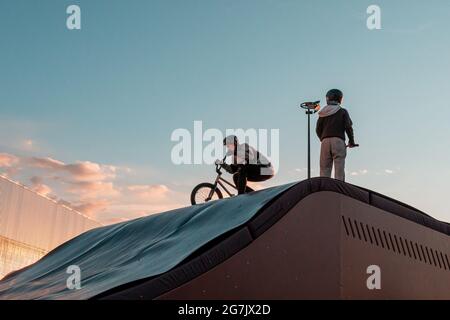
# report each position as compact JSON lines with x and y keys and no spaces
{"x":205,"y":192}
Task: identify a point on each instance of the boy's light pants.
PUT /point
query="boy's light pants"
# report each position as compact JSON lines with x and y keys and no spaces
{"x":333,"y":150}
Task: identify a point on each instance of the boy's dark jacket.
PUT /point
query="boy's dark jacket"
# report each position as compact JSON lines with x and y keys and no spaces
{"x":334,"y":121}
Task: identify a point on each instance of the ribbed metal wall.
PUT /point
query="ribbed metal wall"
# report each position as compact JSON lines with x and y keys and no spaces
{"x":32,"y":225}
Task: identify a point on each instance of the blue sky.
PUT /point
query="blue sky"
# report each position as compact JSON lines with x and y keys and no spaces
{"x":112,"y":93}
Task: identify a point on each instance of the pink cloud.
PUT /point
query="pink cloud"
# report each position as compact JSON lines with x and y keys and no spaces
{"x":39,"y":187}
{"x":8,"y":160}
{"x":45,"y":163}
{"x":148,"y":191}
{"x":90,"y":171}
{"x":94,"y":189}
{"x":43,"y":190}
{"x":93,"y":208}
{"x":124,"y":203}
{"x":79,"y":171}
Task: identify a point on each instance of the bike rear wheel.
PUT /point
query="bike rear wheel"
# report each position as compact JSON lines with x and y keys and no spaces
{"x":203,"y":191}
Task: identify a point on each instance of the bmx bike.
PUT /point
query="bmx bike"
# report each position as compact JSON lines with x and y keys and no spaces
{"x":205,"y":192}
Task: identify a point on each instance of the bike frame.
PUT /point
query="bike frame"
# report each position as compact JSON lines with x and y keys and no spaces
{"x":221,"y":182}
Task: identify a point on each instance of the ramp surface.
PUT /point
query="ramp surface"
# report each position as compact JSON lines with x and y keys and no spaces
{"x":115,"y":255}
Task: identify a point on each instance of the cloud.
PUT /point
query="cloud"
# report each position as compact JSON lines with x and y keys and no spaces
{"x":8,"y":160}
{"x":145,"y":192}
{"x":45,"y":163}
{"x":304,"y":170}
{"x":360,"y":172}
{"x":9,"y":164}
{"x":90,"y":171}
{"x":93,"y":188}
{"x":376,"y":172}
{"x":43,"y":189}
{"x":39,"y":187}
{"x":92,"y":208}
{"x":79,"y":171}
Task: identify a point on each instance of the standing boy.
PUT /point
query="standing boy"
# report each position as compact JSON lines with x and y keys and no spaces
{"x":334,"y":121}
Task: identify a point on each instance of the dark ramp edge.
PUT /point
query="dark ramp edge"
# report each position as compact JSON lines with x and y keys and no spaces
{"x":409,"y":213}
{"x":230,"y":243}
{"x":276,"y":210}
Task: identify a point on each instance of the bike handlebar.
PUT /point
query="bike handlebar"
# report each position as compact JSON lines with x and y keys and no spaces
{"x":219,"y":165}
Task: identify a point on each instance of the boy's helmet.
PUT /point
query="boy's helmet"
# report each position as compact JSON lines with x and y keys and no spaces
{"x":230,"y":140}
{"x":335,"y":95}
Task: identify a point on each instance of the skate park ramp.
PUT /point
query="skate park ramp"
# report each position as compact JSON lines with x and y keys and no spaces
{"x":315,"y":239}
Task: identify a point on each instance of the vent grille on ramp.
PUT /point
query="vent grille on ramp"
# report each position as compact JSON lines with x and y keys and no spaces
{"x":392,"y":242}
